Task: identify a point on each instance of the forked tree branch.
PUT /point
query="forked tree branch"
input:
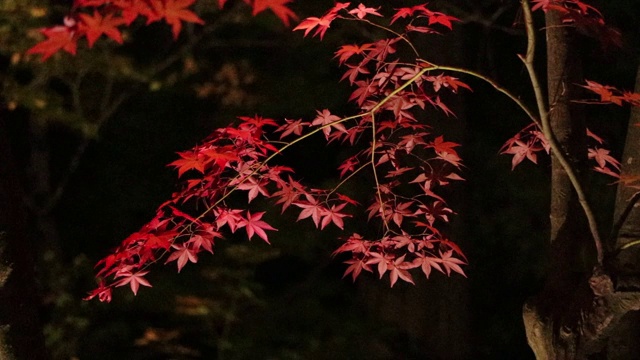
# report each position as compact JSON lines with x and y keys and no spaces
{"x":528,"y":61}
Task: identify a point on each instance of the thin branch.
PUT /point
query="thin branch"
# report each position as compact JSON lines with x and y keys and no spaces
{"x":374,"y":170}
{"x":498,"y":88}
{"x":528,"y":61}
{"x":356,"y":171}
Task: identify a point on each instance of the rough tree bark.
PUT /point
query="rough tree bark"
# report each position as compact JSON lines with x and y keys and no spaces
{"x":578,"y":310}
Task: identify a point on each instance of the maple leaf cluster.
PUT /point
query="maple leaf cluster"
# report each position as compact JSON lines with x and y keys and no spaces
{"x":91,"y":19}
{"x":390,"y":143}
{"x":611,"y":95}
{"x":232,"y":159}
{"x":527,"y":143}
{"x":408,"y":163}
{"x":390,"y":91}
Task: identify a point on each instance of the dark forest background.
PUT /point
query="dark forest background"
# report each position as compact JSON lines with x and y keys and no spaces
{"x":90,"y":137}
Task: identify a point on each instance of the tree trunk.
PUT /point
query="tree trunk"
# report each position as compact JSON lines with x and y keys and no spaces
{"x":577,"y":311}
{"x":20,"y":329}
{"x":624,"y":342}
{"x":548,"y":318}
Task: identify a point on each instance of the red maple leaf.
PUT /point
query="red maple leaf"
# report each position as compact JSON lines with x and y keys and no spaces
{"x":131,"y":10}
{"x":409,"y":11}
{"x":278,"y":7}
{"x":361,"y":11}
{"x":398,"y":270}
{"x":434,"y":211}
{"x":229,"y":217}
{"x":451,"y":264}
{"x":355,"y":244}
{"x":409,"y":142}
{"x":453,"y":246}
{"x":400,"y":211}
{"x":404,"y":240}
{"x":541,"y":4}
{"x":182,"y":254}
{"x":442,"y":19}
{"x":102,"y":292}
{"x":159,"y":242}
{"x":133,"y":279}
{"x":347,"y":199}
{"x":520,"y":151}
{"x":289,"y":193}
{"x":447,"y":81}
{"x":365,"y":89}
{"x":311,"y":208}
{"x":355,"y":268}
{"x":96,"y":25}
{"x":631,"y":98}
{"x":58,"y":37}
{"x":604,"y":91}
{"x":174,"y":12}
{"x":439,"y":145}
{"x":200,"y":242}
{"x":334,"y":216}
{"x":384,"y":47}
{"x":346,"y":51}
{"x":311,"y":23}
{"x":254,"y":225}
{"x":190,"y":161}
{"x":292,"y":127}
{"x":348,"y":165}
{"x":426,"y":263}
{"x":254,"y":186}
{"x":328,"y":120}
{"x":594,"y":136}
{"x":353,"y":72}
{"x":442,"y":106}
{"x":602,"y":157}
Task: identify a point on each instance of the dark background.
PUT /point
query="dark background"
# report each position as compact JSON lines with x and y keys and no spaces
{"x":287,"y":300}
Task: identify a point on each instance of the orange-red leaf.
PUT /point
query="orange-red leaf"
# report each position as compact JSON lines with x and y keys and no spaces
{"x":278,"y":7}
{"x":58,"y":38}
{"x":174,"y":12}
{"x":131,"y":10}
{"x":96,"y":25}
{"x":310,"y":23}
{"x":189,"y":161}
